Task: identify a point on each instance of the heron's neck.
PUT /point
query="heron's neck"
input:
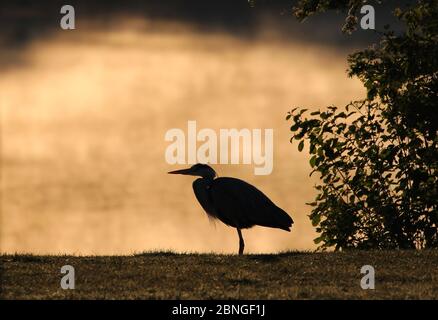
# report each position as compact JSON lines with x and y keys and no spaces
{"x":209,"y":177}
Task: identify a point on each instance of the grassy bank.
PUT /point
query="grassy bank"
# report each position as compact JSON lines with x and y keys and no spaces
{"x":292,"y":275}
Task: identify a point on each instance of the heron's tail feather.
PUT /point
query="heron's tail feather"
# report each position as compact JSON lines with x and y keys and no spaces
{"x":281,"y":220}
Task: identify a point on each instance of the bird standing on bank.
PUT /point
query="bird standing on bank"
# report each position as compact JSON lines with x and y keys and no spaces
{"x":235,"y":202}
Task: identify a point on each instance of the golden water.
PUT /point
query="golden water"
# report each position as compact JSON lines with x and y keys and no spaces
{"x":83,"y":119}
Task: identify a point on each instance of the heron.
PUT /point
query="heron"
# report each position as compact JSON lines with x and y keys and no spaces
{"x":235,"y":202}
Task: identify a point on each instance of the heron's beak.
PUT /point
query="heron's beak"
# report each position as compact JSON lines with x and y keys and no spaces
{"x":182,"y":171}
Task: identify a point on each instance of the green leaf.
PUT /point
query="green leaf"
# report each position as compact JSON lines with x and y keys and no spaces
{"x":312,"y":161}
{"x":324,"y":115}
{"x":318,"y":240}
{"x":301,"y":146}
{"x":316,"y":219}
{"x":312,"y":148}
{"x":320,"y":151}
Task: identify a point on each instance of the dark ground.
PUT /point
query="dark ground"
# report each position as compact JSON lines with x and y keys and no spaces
{"x":292,"y":275}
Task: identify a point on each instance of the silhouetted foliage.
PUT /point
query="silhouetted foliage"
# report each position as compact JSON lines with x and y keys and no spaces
{"x":378,"y":157}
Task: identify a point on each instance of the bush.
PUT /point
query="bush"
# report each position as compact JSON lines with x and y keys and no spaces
{"x":378,"y":158}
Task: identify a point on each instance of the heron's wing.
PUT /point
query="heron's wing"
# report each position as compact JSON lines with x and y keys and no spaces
{"x":229,"y":207}
{"x":239,"y":204}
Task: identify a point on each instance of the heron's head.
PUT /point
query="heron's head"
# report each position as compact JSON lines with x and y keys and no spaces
{"x":199,"y":169}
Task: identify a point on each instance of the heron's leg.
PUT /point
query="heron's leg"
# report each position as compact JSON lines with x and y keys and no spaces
{"x":241,"y":242}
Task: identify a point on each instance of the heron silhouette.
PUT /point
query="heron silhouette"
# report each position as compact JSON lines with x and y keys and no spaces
{"x":235,"y":202}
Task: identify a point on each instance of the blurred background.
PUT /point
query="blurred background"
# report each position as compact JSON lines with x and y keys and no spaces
{"x":84,"y":113}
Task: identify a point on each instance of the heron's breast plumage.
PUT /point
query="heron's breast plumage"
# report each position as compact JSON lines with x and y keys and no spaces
{"x":201,"y":188}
